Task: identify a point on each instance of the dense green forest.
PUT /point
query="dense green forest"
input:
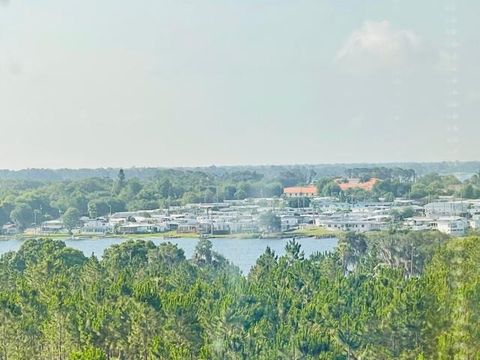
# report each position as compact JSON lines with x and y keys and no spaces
{"x":386,"y":296}
{"x":27,"y":201}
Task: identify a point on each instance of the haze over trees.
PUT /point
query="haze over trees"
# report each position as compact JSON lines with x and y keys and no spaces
{"x":304,"y":172}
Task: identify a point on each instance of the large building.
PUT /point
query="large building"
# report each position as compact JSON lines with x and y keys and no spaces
{"x":359,"y":225}
{"x":357,"y":184}
{"x":448,"y":208}
{"x":300,"y":191}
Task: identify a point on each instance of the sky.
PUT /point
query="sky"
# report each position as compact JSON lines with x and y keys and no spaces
{"x":235,"y":82}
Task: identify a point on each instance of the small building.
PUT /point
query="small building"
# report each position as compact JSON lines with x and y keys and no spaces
{"x":139,"y":228}
{"x":355,"y":225}
{"x":99,"y":225}
{"x":420,"y":223}
{"x":187,"y":228}
{"x":244,"y":226}
{"x":456,"y":226}
{"x":120,"y":217}
{"x":447,"y":208}
{"x":52,"y":226}
{"x":289,"y":222}
{"x":309,"y":191}
{"x":10,"y":229}
{"x":214,"y":228}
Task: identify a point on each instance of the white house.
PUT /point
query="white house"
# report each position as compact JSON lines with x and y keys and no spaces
{"x":289,"y":222}
{"x":140,"y":228}
{"x":213,"y":227}
{"x":99,"y":225}
{"x":355,"y":225}
{"x":420,"y":223}
{"x":9,"y":229}
{"x":452,"y":225}
{"x":243,"y":225}
{"x":448,"y":208}
{"x":52,"y":226}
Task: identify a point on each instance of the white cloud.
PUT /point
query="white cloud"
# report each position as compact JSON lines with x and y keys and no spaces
{"x":380,"y":44}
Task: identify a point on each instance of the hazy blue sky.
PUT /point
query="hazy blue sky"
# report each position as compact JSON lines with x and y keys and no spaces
{"x":87,"y":83}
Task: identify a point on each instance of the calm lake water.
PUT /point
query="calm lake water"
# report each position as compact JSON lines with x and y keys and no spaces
{"x":241,"y":252}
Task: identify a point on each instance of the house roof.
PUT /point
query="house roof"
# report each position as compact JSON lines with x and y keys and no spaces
{"x":357,"y":184}
{"x":310,"y":189}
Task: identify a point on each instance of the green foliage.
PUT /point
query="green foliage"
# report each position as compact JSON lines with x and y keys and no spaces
{"x":22,"y":215}
{"x":383,"y":173}
{"x":453,"y":286}
{"x":120,"y":183}
{"x":402,"y":214}
{"x":70,"y":218}
{"x":469,"y":191}
{"x":374,"y":298}
{"x":433,"y":185}
{"x":330,"y":189}
{"x":92,"y":210}
{"x":100,"y":196}
{"x":88,"y":354}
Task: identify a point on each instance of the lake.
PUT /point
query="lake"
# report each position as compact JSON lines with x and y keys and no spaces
{"x":241,"y":252}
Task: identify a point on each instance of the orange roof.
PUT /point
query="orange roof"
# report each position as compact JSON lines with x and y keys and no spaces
{"x":356,"y":184}
{"x":311,"y":189}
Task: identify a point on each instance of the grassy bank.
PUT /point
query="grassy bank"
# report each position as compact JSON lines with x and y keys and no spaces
{"x":305,"y":232}
{"x":316,"y":232}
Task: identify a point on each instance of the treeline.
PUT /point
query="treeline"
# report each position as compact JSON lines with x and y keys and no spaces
{"x":268,"y":171}
{"x":403,"y":183}
{"x":383,"y":173}
{"x":28,"y":202}
{"x":394,"y":296}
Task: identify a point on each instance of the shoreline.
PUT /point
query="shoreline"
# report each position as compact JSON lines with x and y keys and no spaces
{"x":298,"y":234}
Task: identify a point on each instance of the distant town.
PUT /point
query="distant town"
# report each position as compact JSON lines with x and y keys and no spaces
{"x":298,"y":211}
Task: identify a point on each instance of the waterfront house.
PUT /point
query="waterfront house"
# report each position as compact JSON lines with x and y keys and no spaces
{"x":9,"y":229}
{"x":214,"y":228}
{"x":99,"y":225}
{"x":52,"y":226}
{"x":289,"y":222}
{"x":140,"y":228}
{"x":187,"y":228}
{"x":355,"y":224}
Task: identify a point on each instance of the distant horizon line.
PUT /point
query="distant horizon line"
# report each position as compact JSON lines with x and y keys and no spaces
{"x":243,"y":165}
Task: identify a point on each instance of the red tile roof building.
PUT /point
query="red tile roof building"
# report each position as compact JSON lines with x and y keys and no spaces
{"x":300,"y":191}
{"x":357,"y":184}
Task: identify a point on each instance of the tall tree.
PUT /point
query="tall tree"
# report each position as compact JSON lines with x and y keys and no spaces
{"x":92,"y":210}
{"x":120,"y":183}
{"x":22,"y":216}
{"x":70,"y":218}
